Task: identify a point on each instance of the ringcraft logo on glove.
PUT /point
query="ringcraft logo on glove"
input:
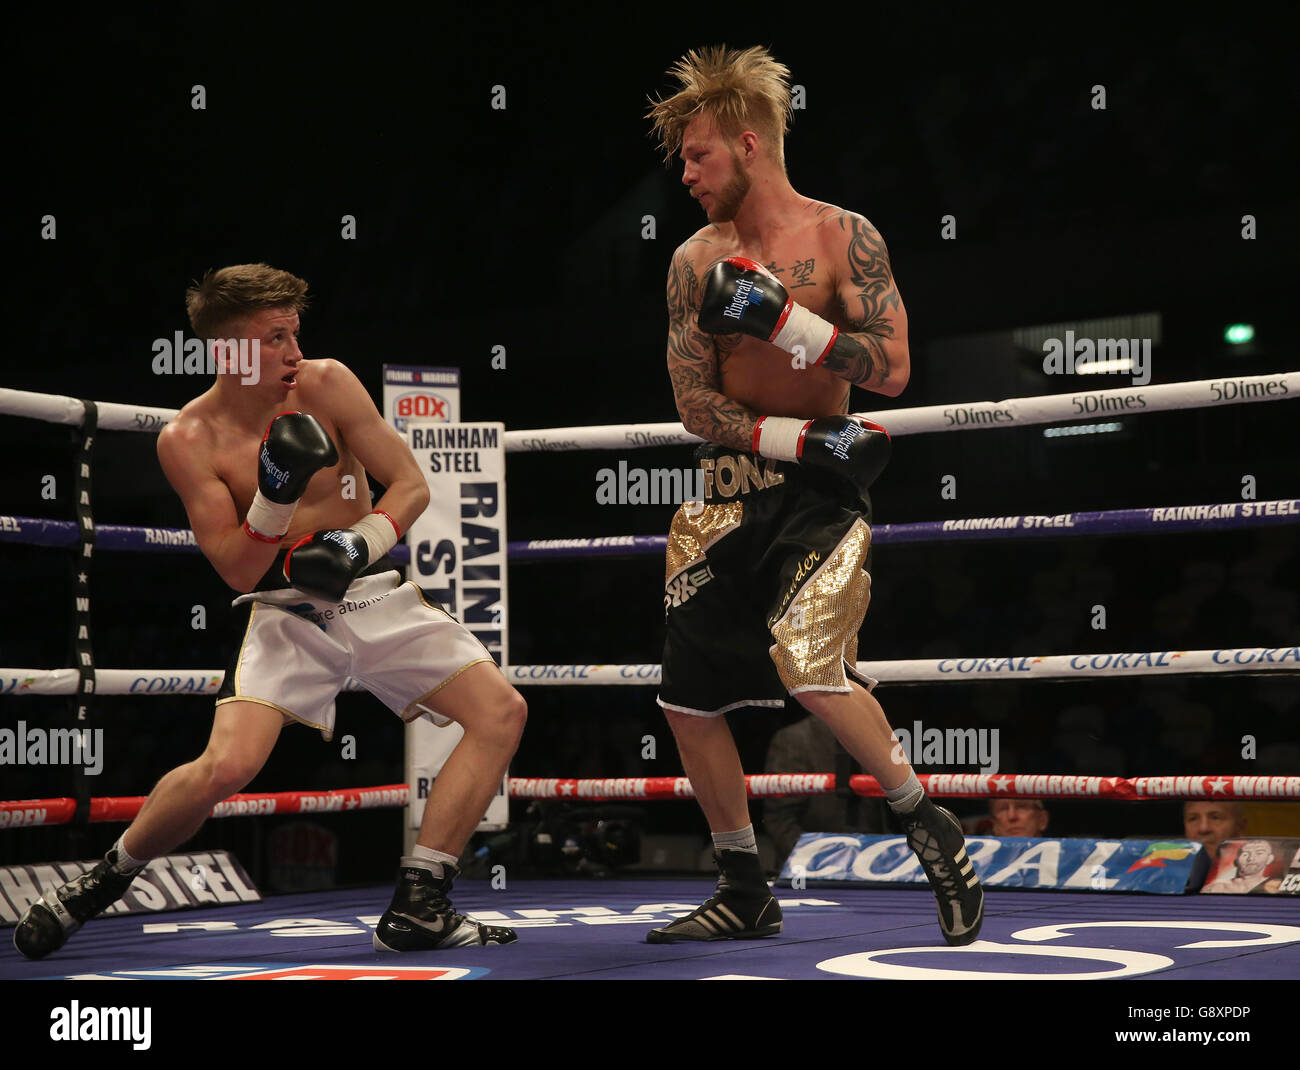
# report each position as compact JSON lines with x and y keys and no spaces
{"x":839,"y":443}
{"x":342,"y":540}
{"x":745,"y":295}
{"x":278,"y":476}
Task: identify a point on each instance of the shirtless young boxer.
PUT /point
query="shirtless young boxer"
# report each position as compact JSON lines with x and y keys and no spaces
{"x":272,"y":470}
{"x":775,"y":308}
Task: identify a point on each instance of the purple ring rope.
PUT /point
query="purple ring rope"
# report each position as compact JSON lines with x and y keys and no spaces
{"x":1178,"y":518}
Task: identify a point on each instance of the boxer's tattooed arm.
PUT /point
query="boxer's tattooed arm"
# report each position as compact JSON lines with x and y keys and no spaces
{"x":694,"y":364}
{"x":862,"y":363}
{"x":871,"y":308}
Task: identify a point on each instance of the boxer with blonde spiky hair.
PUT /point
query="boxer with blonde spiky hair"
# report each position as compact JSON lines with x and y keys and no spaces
{"x":776,"y":308}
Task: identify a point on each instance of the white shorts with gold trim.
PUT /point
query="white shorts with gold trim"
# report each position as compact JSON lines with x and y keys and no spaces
{"x":298,"y":650}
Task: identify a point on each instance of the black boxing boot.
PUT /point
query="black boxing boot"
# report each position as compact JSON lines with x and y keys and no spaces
{"x":742,"y":908}
{"x":47,"y":923}
{"x":935,"y":835}
{"x":421,"y":918}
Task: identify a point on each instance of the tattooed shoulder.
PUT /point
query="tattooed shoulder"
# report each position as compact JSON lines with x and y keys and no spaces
{"x":868,"y":272}
{"x":865,"y":243}
{"x":683,"y":269}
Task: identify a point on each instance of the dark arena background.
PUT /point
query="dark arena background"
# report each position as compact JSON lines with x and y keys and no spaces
{"x":1014,"y":206}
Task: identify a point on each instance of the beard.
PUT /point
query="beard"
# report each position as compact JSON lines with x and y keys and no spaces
{"x":729,"y":199}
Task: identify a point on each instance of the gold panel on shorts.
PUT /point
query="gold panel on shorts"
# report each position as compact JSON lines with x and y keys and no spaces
{"x":690,"y":536}
{"x":819,"y":629}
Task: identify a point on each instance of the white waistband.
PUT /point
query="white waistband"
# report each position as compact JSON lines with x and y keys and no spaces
{"x":362,"y":587}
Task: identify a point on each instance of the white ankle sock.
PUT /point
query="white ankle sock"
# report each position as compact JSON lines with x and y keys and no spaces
{"x":125,"y":863}
{"x":904,"y":798}
{"x":428,"y":858}
{"x":740,"y":840}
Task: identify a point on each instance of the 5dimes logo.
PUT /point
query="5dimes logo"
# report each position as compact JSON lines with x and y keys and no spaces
{"x":1243,"y":390}
{"x":1087,"y":404}
{"x":974,"y":415}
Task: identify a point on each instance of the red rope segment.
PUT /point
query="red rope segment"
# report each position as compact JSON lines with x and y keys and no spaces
{"x":29,"y":812}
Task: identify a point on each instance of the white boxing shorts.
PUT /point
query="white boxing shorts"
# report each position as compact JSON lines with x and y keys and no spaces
{"x":298,"y":650}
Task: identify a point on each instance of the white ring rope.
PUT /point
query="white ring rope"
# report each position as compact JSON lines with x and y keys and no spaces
{"x":976,"y":415}
{"x":1043,"y":409}
{"x":1283,"y":660}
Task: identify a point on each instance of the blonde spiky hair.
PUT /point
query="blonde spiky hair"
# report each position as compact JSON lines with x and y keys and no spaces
{"x":738,"y":90}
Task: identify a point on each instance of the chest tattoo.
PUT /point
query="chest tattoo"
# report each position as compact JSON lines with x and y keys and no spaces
{"x":798,"y":274}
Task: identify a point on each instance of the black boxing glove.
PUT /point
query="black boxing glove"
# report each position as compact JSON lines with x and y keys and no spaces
{"x":849,"y":446}
{"x":326,"y":562}
{"x":294,"y":448}
{"x":742,"y":295}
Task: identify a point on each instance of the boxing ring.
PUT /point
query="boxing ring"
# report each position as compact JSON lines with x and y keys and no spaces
{"x":595,"y":930}
{"x":580,"y":930}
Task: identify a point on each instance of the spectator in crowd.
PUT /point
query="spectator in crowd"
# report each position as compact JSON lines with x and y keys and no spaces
{"x":1018,"y":817}
{"x":1211,"y":821}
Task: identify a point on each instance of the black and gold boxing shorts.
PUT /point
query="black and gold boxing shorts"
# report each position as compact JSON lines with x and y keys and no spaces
{"x":766,"y":586}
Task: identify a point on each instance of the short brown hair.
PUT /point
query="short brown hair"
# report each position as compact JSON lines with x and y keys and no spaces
{"x":226,"y":294}
{"x":739,"y":90}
